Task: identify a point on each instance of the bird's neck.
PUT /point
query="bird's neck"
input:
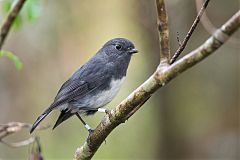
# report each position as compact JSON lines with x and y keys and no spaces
{"x":120,"y":67}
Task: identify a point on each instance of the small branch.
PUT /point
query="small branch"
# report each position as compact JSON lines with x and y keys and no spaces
{"x":9,"y":21}
{"x":163,"y":32}
{"x":160,"y":78}
{"x":36,"y":151}
{"x":178,"y":39}
{"x":189,"y":34}
{"x":19,"y":144}
{"x":209,"y":26}
{"x":15,"y":127}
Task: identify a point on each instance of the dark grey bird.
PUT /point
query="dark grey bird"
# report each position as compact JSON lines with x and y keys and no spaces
{"x":94,"y":84}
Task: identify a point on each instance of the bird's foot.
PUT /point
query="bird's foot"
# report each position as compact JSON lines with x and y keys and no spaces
{"x":104,"y":110}
{"x":108,"y":111}
{"x":90,"y":131}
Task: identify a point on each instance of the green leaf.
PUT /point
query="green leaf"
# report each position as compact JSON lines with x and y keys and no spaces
{"x":33,"y":10}
{"x":17,"y":22}
{"x":12,"y":57}
{"x":6,"y":6}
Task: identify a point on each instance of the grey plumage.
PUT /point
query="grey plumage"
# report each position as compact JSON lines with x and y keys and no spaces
{"x":94,"y":84}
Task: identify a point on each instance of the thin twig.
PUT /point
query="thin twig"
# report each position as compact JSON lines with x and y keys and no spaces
{"x":209,"y":26}
{"x":15,"y":127}
{"x":178,"y":39}
{"x":190,"y":32}
{"x":163,"y":32}
{"x":36,"y":151}
{"x":20,"y":143}
{"x":7,"y":23}
{"x":157,"y":80}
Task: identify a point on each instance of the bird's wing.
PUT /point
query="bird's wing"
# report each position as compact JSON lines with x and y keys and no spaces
{"x":69,"y":90}
{"x":72,"y":89}
{"x":76,"y":88}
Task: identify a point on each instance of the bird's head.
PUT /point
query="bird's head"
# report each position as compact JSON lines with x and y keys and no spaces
{"x":119,"y":48}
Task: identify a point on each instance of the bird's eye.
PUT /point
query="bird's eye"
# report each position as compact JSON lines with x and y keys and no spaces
{"x":118,"y":47}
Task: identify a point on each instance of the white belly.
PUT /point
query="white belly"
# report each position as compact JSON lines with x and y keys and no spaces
{"x":98,"y":100}
{"x":106,"y":96}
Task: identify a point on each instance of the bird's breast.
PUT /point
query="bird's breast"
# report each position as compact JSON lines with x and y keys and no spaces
{"x":105,"y":96}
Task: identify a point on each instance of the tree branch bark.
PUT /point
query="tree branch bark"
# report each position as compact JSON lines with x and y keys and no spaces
{"x":163,"y":31}
{"x":190,"y":32}
{"x":5,"y":27}
{"x":160,"y":77}
{"x":10,"y":128}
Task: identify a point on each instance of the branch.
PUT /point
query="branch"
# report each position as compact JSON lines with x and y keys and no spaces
{"x":15,"y":127}
{"x":190,"y":32}
{"x":159,"y":78}
{"x":209,"y":26}
{"x":9,"y":21}
{"x":163,"y":32}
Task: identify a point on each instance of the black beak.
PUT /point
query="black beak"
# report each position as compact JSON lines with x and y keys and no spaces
{"x":132,"y":51}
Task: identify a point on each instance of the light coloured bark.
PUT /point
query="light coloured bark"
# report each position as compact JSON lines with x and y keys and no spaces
{"x":163,"y":31}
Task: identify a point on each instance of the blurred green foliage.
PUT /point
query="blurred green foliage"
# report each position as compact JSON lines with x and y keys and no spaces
{"x":6,"y":6}
{"x":30,"y":12}
{"x":12,"y":57}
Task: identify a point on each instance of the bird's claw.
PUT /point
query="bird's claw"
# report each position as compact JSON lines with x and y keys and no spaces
{"x":90,"y":131}
{"x":107,"y":111}
{"x":105,"y":141}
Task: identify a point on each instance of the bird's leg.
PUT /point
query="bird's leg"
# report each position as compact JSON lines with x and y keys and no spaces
{"x":104,"y":110}
{"x":90,"y":130}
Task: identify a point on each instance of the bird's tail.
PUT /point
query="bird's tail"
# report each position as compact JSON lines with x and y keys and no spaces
{"x":39,"y":119}
{"x":65,"y":114}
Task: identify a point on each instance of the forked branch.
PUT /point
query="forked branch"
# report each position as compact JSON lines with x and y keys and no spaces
{"x":11,"y":128}
{"x":190,"y":32}
{"x":159,"y":78}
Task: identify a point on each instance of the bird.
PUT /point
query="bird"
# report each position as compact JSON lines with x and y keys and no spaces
{"x":93,"y":85}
